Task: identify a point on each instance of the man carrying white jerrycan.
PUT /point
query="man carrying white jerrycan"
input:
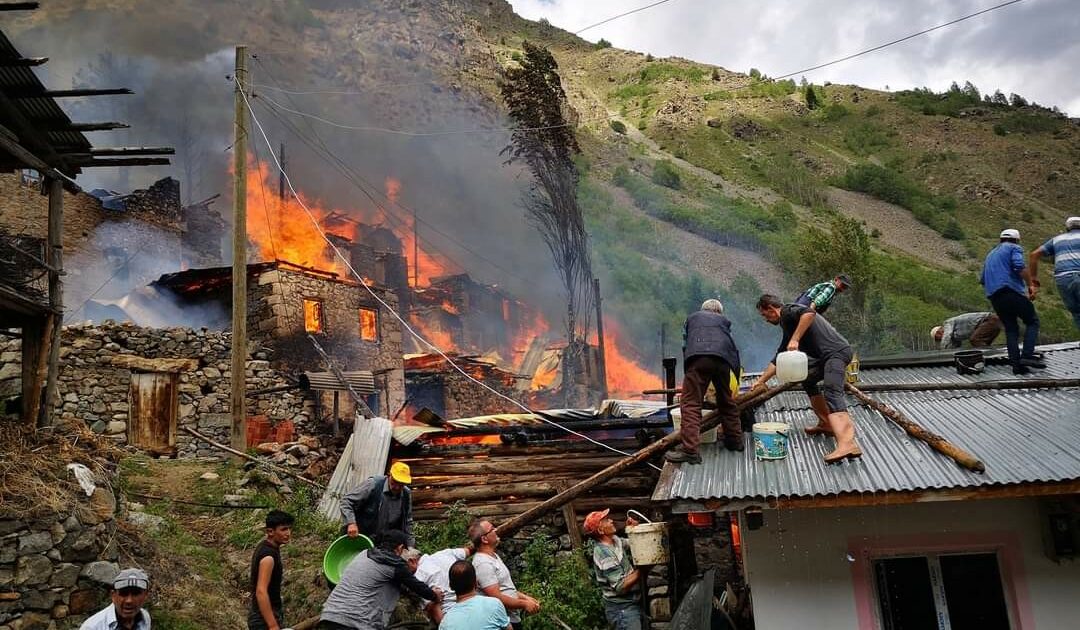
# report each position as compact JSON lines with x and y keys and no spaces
{"x":828,"y":354}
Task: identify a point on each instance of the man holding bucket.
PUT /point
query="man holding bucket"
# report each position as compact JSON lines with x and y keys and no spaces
{"x":380,"y":504}
{"x":613,"y":569}
{"x":709,"y":356}
{"x":828,"y":355}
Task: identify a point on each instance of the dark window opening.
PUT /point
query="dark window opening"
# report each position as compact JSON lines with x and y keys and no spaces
{"x":964,"y":590}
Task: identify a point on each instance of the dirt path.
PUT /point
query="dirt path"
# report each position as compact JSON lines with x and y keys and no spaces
{"x":899,"y":229}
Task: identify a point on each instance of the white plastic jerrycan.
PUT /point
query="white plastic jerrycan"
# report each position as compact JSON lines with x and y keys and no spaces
{"x":791,"y":366}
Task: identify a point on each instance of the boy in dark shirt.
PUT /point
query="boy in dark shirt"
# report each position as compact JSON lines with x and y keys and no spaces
{"x":828,"y":354}
{"x":266,"y":571}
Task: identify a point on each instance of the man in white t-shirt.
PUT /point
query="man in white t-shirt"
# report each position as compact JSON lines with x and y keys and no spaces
{"x":434,"y":570}
{"x":129,"y":592}
{"x":493,"y":577}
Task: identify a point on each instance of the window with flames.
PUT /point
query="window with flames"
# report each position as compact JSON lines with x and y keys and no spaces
{"x":369,"y":324}
{"x":314,"y":318}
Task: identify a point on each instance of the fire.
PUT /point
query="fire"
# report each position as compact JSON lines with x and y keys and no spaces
{"x":441,"y":339}
{"x":624,"y":376}
{"x":282,"y":230}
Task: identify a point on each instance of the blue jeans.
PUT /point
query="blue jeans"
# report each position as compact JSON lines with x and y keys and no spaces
{"x":1069,"y":288}
{"x":1010,"y":306}
{"x":623,"y":616}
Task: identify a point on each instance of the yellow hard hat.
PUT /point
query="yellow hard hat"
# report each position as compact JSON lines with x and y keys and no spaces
{"x":399,"y":472}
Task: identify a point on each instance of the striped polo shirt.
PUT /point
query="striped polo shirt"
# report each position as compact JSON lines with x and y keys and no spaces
{"x":1065,"y":250}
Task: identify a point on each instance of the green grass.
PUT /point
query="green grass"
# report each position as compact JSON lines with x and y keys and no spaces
{"x":936,"y":211}
{"x":662,"y":71}
{"x":866,"y":138}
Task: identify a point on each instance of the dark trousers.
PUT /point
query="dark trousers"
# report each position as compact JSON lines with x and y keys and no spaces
{"x":330,"y":625}
{"x":256,"y":621}
{"x":1010,"y":306}
{"x":698,"y":373}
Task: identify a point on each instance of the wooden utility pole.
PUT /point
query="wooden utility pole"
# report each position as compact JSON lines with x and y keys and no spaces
{"x":239,"y":266}
{"x":56,"y":293}
{"x":600,"y":340}
{"x":415,"y":251}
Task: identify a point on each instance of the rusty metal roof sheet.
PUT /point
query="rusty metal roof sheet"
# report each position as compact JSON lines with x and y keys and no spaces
{"x":1021,"y":435}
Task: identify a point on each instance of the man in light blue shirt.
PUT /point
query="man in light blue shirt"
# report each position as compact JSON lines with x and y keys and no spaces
{"x":129,"y":592}
{"x":1006,"y":281}
{"x":1065,"y":250}
{"x":473,"y":611}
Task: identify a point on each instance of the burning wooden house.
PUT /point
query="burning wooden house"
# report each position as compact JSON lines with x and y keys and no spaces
{"x":287,"y":304}
{"x":432,"y":383}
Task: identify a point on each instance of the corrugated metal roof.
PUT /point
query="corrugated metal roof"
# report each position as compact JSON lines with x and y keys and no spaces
{"x":1021,"y":435}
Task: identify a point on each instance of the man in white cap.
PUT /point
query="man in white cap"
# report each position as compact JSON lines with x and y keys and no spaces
{"x":1007,"y":283}
{"x":1065,"y":250}
{"x":129,"y":591}
{"x":981,"y":329}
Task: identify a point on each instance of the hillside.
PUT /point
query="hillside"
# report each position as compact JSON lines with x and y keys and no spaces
{"x":750,"y":179}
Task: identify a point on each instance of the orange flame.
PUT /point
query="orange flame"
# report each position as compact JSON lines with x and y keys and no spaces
{"x":282,"y":230}
{"x":625,"y":378}
{"x":442,"y":339}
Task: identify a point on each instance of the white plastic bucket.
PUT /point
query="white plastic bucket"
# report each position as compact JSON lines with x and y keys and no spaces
{"x":707,"y":437}
{"x":648,"y":543}
{"x":770,"y":440}
{"x":791,"y":366}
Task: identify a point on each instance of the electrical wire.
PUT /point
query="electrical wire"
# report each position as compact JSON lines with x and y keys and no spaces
{"x":621,"y":15}
{"x":348,"y":264}
{"x":336,"y":92}
{"x":897,"y":41}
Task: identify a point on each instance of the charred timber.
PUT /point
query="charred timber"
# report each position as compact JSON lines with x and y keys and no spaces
{"x":19,"y":6}
{"x":23,"y":62}
{"x":134,"y":161}
{"x":21,"y":93}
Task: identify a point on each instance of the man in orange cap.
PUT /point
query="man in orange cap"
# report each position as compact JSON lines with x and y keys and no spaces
{"x":380,"y":504}
{"x":613,"y":568}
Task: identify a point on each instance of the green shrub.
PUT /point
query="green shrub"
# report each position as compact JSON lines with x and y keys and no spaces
{"x":926,"y":101}
{"x":659,"y":72}
{"x":865,"y":138}
{"x":812,"y":101}
{"x":563,"y":584}
{"x":432,"y":536}
{"x":719,"y":95}
{"x":999,"y":129}
{"x":665,"y":174}
{"x":872,"y":111}
{"x":953,"y":231}
{"x":834,"y":112}
{"x":1028,"y":123}
{"x":617,"y":126}
{"x":716,"y":74}
{"x":796,"y":182}
{"x":884,"y":183}
{"x":603,"y":43}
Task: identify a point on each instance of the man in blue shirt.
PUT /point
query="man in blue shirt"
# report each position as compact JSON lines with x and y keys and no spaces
{"x":1006,"y":281}
{"x":472,"y":611}
{"x":1065,"y":250}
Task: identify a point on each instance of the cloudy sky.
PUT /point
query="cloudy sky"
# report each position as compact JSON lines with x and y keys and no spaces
{"x":1030,"y":48}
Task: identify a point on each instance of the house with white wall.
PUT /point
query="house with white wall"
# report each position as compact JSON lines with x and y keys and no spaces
{"x":905,"y":537}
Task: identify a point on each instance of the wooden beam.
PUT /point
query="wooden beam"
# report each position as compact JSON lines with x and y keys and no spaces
{"x":22,"y":62}
{"x":94,"y":126}
{"x":19,"y":6}
{"x":522,"y":489}
{"x":21,"y":93}
{"x":56,"y":295}
{"x":935,"y":441}
{"x":261,"y":462}
{"x":133,"y":151}
{"x":35,"y":351}
{"x":569,"y":515}
{"x":133,"y":161}
{"x":749,"y":399}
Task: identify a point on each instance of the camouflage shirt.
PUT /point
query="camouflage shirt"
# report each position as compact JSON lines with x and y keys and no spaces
{"x":611,"y":565}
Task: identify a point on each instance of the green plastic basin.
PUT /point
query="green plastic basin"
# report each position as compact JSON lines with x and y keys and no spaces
{"x":340,"y":553}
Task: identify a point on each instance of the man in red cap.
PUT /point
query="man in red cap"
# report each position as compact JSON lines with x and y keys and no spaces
{"x":613,"y":568}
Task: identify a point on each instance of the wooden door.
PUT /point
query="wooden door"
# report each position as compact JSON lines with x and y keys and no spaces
{"x":152,"y":411}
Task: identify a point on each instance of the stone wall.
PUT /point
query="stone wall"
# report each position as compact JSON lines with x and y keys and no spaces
{"x":24,"y":210}
{"x":55,"y":571}
{"x":95,"y":380}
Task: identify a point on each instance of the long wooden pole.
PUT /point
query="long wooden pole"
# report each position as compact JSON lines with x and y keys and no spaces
{"x":56,"y":295}
{"x":1025,"y":383}
{"x":936,"y":442}
{"x":602,"y":355}
{"x":749,"y":399}
{"x":263,"y":462}
{"x":239,"y":266}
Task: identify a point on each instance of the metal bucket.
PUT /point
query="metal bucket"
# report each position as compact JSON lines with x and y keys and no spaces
{"x":770,"y":440}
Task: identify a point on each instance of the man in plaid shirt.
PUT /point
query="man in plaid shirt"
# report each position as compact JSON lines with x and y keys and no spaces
{"x":820,"y":296}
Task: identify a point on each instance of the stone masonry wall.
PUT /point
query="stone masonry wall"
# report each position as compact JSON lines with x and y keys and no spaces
{"x":96,"y":391}
{"x":24,"y":210}
{"x":276,"y":316}
{"x":55,"y":571}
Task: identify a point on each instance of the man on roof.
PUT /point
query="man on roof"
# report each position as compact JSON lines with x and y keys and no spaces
{"x":820,"y":296}
{"x":1007,"y":283}
{"x":979,"y":328}
{"x":828,"y":355}
{"x":1065,"y":250}
{"x":380,"y":504}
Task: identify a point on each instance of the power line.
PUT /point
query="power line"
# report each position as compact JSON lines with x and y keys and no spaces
{"x":897,"y":41}
{"x":621,"y":15}
{"x":348,"y":264}
{"x":377,"y":86}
